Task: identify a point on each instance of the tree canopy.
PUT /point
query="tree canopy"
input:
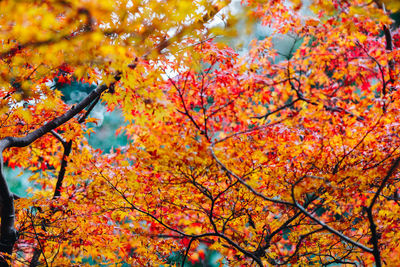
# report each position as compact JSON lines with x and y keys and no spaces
{"x":268,"y":158}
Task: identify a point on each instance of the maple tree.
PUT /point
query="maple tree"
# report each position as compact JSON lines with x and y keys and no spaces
{"x":269,"y":158}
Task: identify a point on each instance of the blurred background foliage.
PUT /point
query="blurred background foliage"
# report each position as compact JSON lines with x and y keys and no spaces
{"x":104,"y":137}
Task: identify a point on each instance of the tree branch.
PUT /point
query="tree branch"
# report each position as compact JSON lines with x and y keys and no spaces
{"x":255,"y":192}
{"x":187,"y":251}
{"x":8,"y":232}
{"x":372,"y":225}
{"x":327,"y":227}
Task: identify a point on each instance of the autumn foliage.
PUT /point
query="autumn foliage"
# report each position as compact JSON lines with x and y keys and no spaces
{"x":268,"y":158}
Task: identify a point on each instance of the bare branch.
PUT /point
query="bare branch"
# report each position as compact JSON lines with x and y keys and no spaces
{"x":327,"y":227}
{"x":372,"y":225}
{"x":255,"y":192}
{"x":58,"y":136}
{"x":187,"y":251}
{"x":8,"y":232}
